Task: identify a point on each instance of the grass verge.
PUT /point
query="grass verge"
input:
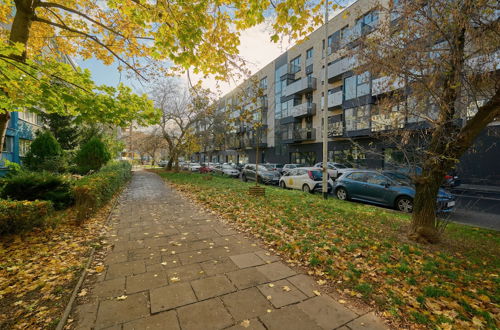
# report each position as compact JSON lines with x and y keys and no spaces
{"x":362,"y":251}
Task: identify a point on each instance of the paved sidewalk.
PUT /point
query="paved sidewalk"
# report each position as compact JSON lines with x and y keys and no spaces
{"x":174,"y":266}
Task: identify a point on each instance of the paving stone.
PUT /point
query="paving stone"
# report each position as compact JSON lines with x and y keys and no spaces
{"x":146,"y":281}
{"x":367,"y":321}
{"x":254,"y":324}
{"x":267,"y":256}
{"x":111,"y":288}
{"x":279,"y":295}
{"x":86,"y":315}
{"x":171,"y":296}
{"x":275,"y":271}
{"x":289,"y":318}
{"x":116,"y":257}
{"x":246,"y":260}
{"x":246,"y":304}
{"x":128,"y":245}
{"x":114,"y":311}
{"x":224,"y":231}
{"x":212,"y":286}
{"x":124,"y":269}
{"x":192,"y":257}
{"x":304,"y":283}
{"x":161,"y":321}
{"x":207,"y":234}
{"x":248,"y":277}
{"x":326,"y":312}
{"x":220,"y":266}
{"x":185,"y":273}
{"x":205,"y":315}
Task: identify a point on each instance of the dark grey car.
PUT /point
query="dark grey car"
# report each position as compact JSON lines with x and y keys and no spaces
{"x":264,"y":175}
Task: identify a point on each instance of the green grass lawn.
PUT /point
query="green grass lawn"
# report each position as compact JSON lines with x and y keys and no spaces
{"x":363,"y":252}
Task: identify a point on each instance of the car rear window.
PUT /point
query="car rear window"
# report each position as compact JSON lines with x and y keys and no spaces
{"x":317,"y":175}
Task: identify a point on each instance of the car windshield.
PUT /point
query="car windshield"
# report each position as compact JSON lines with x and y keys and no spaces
{"x":227,"y":167}
{"x":340,"y":166}
{"x":267,"y":167}
{"x":316,"y":175}
{"x":399,"y":177}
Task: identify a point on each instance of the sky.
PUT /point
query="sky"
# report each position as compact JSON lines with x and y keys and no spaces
{"x":256,"y":48}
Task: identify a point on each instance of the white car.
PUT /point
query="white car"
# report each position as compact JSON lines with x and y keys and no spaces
{"x":288,"y":167}
{"x":335,"y":169}
{"x":194,"y":167}
{"x":229,"y":171}
{"x":308,"y":179}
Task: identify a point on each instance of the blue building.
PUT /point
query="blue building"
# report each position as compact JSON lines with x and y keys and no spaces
{"x":21,"y":131}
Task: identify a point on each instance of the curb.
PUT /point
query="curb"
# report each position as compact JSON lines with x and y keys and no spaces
{"x":69,"y":306}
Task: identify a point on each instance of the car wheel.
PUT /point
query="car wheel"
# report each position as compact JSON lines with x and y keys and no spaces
{"x":283,"y":184}
{"x":305,"y":188}
{"x":404,"y":204}
{"x":341,"y":194}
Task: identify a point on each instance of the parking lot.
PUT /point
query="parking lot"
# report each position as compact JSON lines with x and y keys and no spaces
{"x":381,"y":188}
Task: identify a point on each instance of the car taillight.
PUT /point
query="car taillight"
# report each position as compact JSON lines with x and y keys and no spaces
{"x":310,"y":175}
{"x":447,"y":177}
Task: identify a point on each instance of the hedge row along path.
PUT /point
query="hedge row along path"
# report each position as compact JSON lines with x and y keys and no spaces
{"x":176,"y":266}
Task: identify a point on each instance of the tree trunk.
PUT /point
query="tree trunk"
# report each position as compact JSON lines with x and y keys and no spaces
{"x":19,"y":33}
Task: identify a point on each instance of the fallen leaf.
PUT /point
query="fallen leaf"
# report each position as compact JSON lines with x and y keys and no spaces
{"x":245,"y":323}
{"x":342,"y":301}
{"x":121,"y":297}
{"x":269,"y":297}
{"x":271,"y":285}
{"x":286,"y":288}
{"x":316,"y":292}
{"x":99,"y":269}
{"x":82,"y":293}
{"x":174,"y":279}
{"x":321,"y":282}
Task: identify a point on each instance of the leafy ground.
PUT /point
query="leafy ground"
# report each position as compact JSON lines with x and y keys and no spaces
{"x":39,"y":270}
{"x":362,"y":252}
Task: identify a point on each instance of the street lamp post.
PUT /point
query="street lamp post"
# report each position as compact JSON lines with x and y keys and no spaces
{"x":325,"y":109}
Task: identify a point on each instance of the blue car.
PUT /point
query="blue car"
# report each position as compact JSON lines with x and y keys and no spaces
{"x":384,"y":188}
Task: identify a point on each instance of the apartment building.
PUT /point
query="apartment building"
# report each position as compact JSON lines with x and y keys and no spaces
{"x":291,"y":106}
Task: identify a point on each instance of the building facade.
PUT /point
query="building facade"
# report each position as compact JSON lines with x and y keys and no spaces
{"x":21,"y":131}
{"x":291,"y":107}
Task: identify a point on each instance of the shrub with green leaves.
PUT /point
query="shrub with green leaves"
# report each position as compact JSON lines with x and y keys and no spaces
{"x":20,"y":216}
{"x":45,"y":154}
{"x":92,"y":156}
{"x":94,"y":190}
{"x":31,"y":186}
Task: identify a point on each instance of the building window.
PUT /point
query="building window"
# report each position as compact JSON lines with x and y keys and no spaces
{"x":263,"y":83}
{"x":303,"y":158}
{"x":309,"y":53}
{"x":386,"y":119}
{"x":8,"y":144}
{"x":24,"y":147}
{"x":368,"y":22}
{"x":335,"y":126}
{"x":357,"y":86}
{"x":357,"y":118}
{"x":295,"y":65}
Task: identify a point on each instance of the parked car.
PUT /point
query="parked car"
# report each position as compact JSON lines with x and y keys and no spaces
{"x":288,"y":167}
{"x":308,"y":179}
{"x":334,"y":169}
{"x":230,"y":171}
{"x":275,"y":167}
{"x":450,"y":180}
{"x":205,"y":169}
{"x":264,"y":174}
{"x":194,"y":167}
{"x":384,"y":189}
{"x":162,"y":163}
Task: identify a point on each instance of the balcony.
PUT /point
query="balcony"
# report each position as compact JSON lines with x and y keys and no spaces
{"x":344,"y":65}
{"x":335,"y":99}
{"x":303,"y":110}
{"x":304,"y":134}
{"x":385,"y":84}
{"x":300,"y":86}
{"x":251,"y":142}
{"x":335,"y":129}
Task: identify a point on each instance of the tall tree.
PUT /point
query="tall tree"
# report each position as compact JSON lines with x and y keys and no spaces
{"x":199,"y":34}
{"x":64,"y":129}
{"x":181,"y":110}
{"x":438,"y":61}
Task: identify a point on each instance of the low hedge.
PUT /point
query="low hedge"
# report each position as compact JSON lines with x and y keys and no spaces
{"x":20,"y":216}
{"x":94,"y":190}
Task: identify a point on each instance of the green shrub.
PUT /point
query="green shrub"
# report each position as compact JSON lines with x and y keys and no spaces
{"x":92,"y":156}
{"x":19,"y":216}
{"x":45,"y":154}
{"x":92,"y":191}
{"x":33,"y":186}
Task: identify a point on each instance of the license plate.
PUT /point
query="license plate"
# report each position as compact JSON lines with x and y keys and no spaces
{"x":450,"y":204}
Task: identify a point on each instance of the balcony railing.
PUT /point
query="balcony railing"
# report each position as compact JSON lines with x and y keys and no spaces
{"x":335,"y":129}
{"x":304,"y":134}
{"x":304,"y":109}
{"x":300,"y":86}
{"x":384,"y":84}
{"x":334,"y":99}
{"x":342,"y":66}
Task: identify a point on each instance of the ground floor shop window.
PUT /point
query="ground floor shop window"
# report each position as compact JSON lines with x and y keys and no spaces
{"x":303,"y":158}
{"x":354,"y":156}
